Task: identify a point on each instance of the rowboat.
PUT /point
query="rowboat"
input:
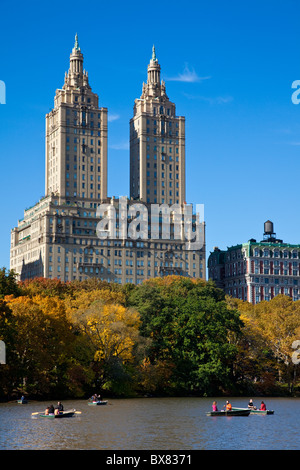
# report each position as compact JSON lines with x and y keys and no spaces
{"x":233,"y":412}
{"x":99,"y":402}
{"x":22,"y":402}
{"x":257,"y":412}
{"x":62,"y":414}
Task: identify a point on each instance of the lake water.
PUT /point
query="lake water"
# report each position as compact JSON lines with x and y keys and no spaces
{"x":151,"y":424}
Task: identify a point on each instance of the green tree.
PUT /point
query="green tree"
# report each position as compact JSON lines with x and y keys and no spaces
{"x":190,"y":326}
{"x":8,"y":283}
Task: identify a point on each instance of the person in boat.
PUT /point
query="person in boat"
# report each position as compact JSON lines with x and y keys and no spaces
{"x":59,"y":408}
{"x":228,"y":406}
{"x":251,"y":405}
{"x":262,"y":406}
{"x":49,"y":410}
{"x":214,"y":406}
{"x":96,"y":397}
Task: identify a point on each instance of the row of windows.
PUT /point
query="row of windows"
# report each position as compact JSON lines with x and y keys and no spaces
{"x":163,"y":184}
{"x":75,"y":112}
{"x":84,"y":132}
{"x":101,"y":270}
{"x":276,"y":262}
{"x":276,"y":280}
{"x":83,"y":167}
{"x":82,"y":159}
{"x":276,"y":253}
{"x":74,"y":175}
{"x":83,"y":186}
{"x":276,"y":271}
{"x":82,"y":123}
{"x":162,"y":175}
{"x":162,"y":131}
{"x":138,"y":244}
{"x":84,"y":148}
{"x":163,"y":166}
{"x":163,"y":157}
{"x":155,"y":122}
{"x":118,"y":253}
{"x":76,"y":99}
{"x":83,"y":194}
{"x":162,"y":110}
{"x":77,"y":141}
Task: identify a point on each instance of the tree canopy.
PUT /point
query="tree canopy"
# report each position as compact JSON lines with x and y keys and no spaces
{"x":166,"y":336}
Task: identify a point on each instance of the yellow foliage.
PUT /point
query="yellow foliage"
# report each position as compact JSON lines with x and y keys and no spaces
{"x":277,"y":322}
{"x":112,"y":328}
{"x":84,"y":299}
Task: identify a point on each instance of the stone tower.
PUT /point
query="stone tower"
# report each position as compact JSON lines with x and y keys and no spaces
{"x":76,"y":139}
{"x":157,"y":144}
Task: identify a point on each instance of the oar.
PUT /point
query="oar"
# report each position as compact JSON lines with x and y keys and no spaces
{"x":37,"y":413}
{"x":73,"y":411}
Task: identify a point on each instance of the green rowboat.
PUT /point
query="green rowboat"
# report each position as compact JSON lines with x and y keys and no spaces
{"x":257,"y":412}
{"x":99,"y":402}
{"x":233,"y":412}
{"x":62,"y":414}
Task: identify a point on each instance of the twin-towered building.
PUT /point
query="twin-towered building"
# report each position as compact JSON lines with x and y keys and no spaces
{"x":77,"y":232}
{"x":61,"y":235}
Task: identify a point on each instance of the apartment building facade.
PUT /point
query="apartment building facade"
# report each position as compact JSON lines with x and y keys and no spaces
{"x":257,"y":270}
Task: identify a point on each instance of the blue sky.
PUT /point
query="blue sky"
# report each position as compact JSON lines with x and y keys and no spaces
{"x":228,"y":67}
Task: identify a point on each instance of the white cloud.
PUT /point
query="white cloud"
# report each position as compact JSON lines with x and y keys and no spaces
{"x":112,"y":117}
{"x":214,"y":100}
{"x":120,"y":146}
{"x":189,"y":75}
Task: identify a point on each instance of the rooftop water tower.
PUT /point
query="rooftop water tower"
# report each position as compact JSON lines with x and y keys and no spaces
{"x":269,"y":234}
{"x":269,"y":229}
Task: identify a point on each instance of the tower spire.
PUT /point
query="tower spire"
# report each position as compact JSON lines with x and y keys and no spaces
{"x":76,"y":45}
{"x":153,"y":81}
{"x":154,"y":59}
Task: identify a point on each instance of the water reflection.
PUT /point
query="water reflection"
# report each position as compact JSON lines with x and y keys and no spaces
{"x":150,"y":424}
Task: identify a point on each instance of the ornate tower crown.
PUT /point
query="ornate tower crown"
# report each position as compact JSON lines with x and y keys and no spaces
{"x":76,"y":76}
{"x":154,"y":87}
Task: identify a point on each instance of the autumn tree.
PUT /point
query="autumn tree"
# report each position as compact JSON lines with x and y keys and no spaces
{"x":265,"y":349}
{"x":113,"y":333}
{"x":279,"y":319}
{"x":42,"y":341}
